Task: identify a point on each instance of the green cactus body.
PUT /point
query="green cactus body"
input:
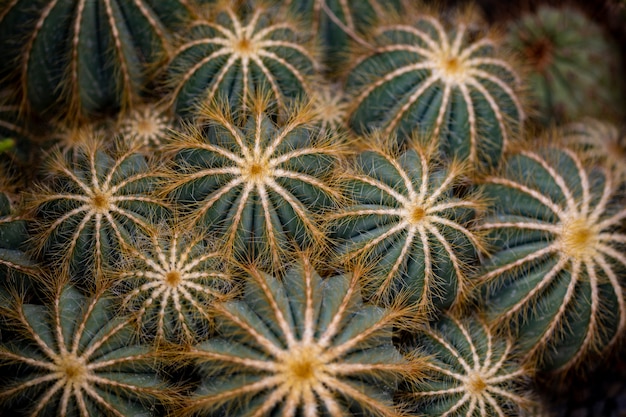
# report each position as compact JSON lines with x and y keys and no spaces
{"x":236,"y":53}
{"x":168,"y":280}
{"x":84,"y":56}
{"x":91,"y":205}
{"x":301,"y":346}
{"x":73,"y":358}
{"x":555,"y":274}
{"x":407,"y":223}
{"x":441,"y":83}
{"x":563,"y":48}
{"x":258,"y":184}
{"x":474,"y":372}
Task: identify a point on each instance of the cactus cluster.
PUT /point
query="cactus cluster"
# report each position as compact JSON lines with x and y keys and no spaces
{"x":304,"y":207}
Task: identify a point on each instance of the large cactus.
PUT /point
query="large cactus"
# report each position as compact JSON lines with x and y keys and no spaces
{"x":303,"y":346}
{"x":74,"y":358}
{"x":80,"y":57}
{"x":450,"y":82}
{"x":407,"y":223}
{"x":259,"y":184}
{"x":555,"y":275}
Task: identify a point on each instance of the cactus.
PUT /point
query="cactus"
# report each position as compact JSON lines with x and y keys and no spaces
{"x":79,"y":58}
{"x":301,"y":346}
{"x":474,"y":373}
{"x":452,"y":84}
{"x":147,"y":126}
{"x":74,"y":358}
{"x":555,"y":273}
{"x":257,"y":183}
{"x":235,"y":53}
{"x":331,"y":107}
{"x":168,"y":280}
{"x":562,"y":48}
{"x":407,"y":223}
{"x":89,"y":206}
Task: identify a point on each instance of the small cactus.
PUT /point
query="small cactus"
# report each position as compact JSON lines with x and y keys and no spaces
{"x":147,"y":126}
{"x":74,"y":358}
{"x":449,"y":83}
{"x":301,"y":346}
{"x":406,"y":221}
{"x":259,"y":184}
{"x":554,"y":276}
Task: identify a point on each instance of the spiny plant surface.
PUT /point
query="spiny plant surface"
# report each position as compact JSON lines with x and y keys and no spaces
{"x":89,"y":205}
{"x":258,"y":183}
{"x":556,"y":272}
{"x":474,"y":372}
{"x":72,"y":357}
{"x":405,"y":221}
{"x":237,"y":52}
{"x":81,"y":57}
{"x":450,"y":83}
{"x":148,"y":126}
{"x":301,"y":346}
{"x":168,"y":280}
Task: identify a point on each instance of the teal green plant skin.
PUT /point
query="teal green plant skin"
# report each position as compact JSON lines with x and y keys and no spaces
{"x":301,"y":346}
{"x":555,"y":273}
{"x":446,"y":83}
{"x":260,"y":185}
{"x":92,"y":203}
{"x":168,"y":280}
{"x":82,"y":57}
{"x":73,"y":358}
{"x":563,"y":48}
{"x":237,"y":53}
{"x":473,"y":373}
{"x":405,"y":221}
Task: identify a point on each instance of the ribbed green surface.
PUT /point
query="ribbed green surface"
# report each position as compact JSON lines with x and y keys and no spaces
{"x":454,"y":85}
{"x":84,"y":56}
{"x":297,"y":346}
{"x":236,"y":53}
{"x":563,"y":49}
{"x":74,"y":358}
{"x":474,"y":372}
{"x":406,"y":222}
{"x":554,"y":276}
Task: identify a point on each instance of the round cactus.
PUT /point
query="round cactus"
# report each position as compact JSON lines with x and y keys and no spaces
{"x":449,"y":83}
{"x":168,"y":281}
{"x":81,"y":57}
{"x":474,"y":372}
{"x":330,"y":106}
{"x":562,"y":48}
{"x":148,"y":126}
{"x":259,"y":184}
{"x":237,"y":52}
{"x":74,"y":358}
{"x":303,"y":346}
{"x":92,"y":204}
{"x":406,"y":221}
{"x":555,"y":274}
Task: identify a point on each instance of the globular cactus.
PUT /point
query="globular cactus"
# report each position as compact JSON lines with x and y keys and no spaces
{"x":473,"y":372}
{"x":562,"y":48}
{"x":407,"y":223}
{"x":330,"y":105}
{"x":555,"y":275}
{"x":147,"y":126}
{"x":79,"y":58}
{"x":89,"y":205}
{"x":238,"y":52}
{"x":168,"y":280}
{"x":73,"y":357}
{"x":301,"y":346}
{"x":259,"y":184}
{"x":453,"y":84}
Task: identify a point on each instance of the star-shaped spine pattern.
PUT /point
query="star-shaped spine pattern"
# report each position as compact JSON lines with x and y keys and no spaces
{"x":474,"y":372}
{"x":555,"y":274}
{"x":453,"y":84}
{"x":301,"y":346}
{"x":74,"y":358}
{"x":406,"y":222}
